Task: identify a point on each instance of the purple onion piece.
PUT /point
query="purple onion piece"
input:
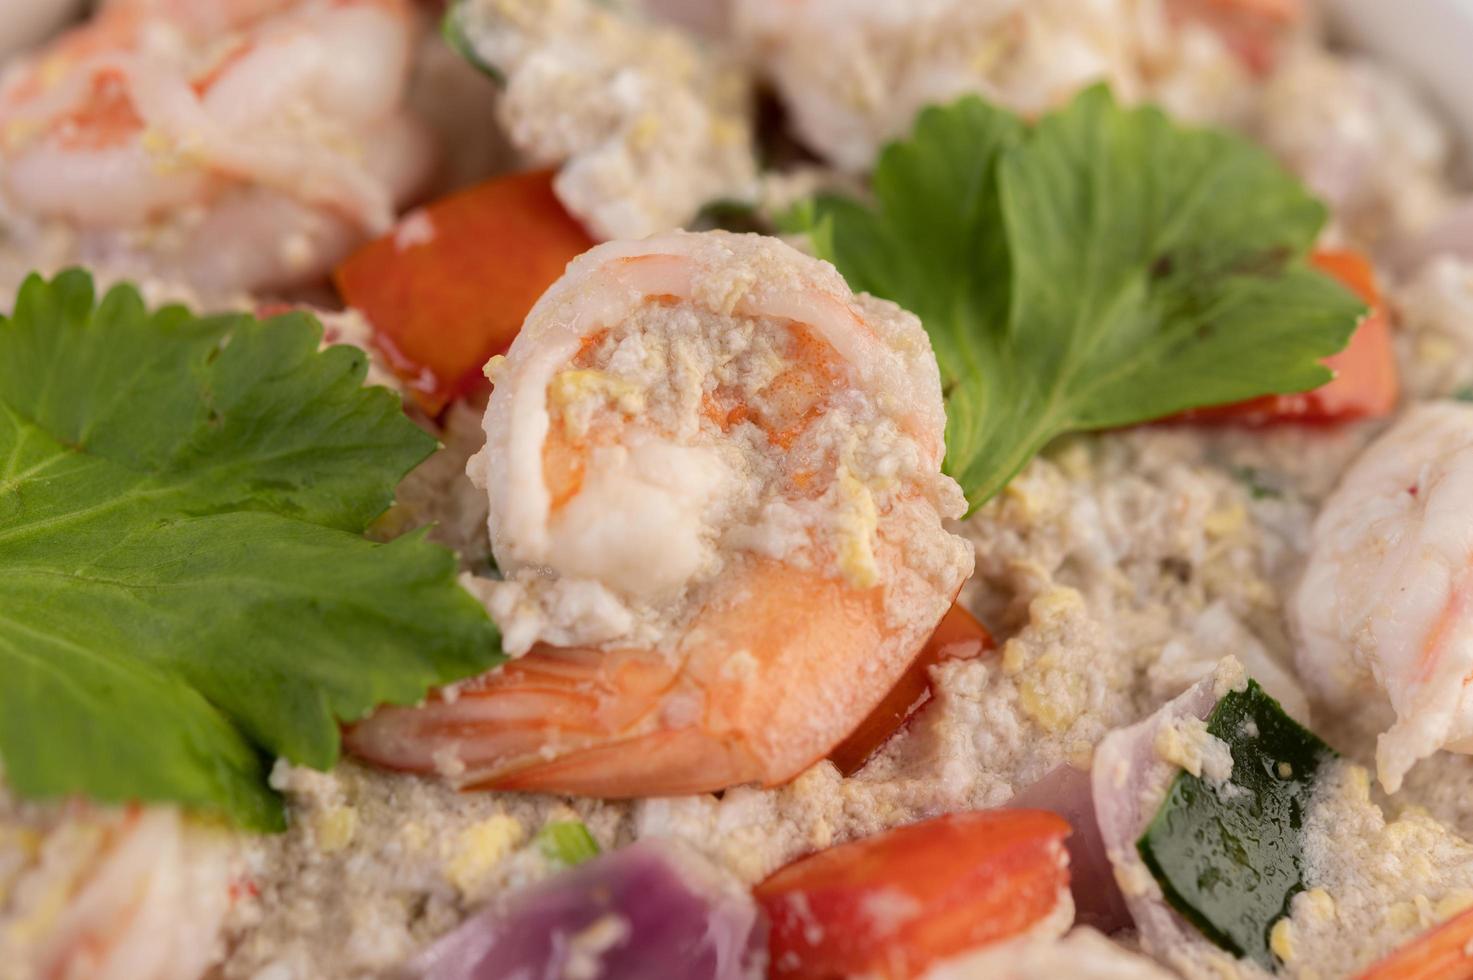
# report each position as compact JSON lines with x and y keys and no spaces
{"x":652,"y":909}
{"x":1068,"y":792}
{"x":1130,"y":780}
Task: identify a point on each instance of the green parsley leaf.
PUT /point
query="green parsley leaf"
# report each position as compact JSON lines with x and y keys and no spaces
{"x":730,"y":215}
{"x":184,"y":586}
{"x":1099,"y":269}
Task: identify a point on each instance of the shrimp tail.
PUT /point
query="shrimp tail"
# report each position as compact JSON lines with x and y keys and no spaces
{"x":554,"y":700}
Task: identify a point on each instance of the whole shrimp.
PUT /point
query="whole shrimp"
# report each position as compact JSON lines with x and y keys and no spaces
{"x":715,"y":492}
{"x":854,"y":73}
{"x":1385,"y":608}
{"x":137,"y":893}
{"x":237,"y":145}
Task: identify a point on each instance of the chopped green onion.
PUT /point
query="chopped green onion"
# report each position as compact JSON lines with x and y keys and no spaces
{"x":452,"y":28}
{"x":567,"y":842}
{"x":1257,"y":488}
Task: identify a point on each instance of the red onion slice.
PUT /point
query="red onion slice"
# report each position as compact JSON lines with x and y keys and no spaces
{"x":1068,"y":792}
{"x":652,"y":909}
{"x":1130,"y":780}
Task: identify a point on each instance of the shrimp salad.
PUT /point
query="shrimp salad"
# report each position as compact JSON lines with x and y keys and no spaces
{"x":730,"y":489}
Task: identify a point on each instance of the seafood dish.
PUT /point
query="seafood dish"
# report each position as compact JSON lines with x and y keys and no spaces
{"x":733,"y":489}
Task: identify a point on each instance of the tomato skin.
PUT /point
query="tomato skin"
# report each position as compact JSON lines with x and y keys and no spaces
{"x":451,"y":285}
{"x":891,"y":905}
{"x":1442,"y":953}
{"x":958,"y":636}
{"x":1365,"y":383}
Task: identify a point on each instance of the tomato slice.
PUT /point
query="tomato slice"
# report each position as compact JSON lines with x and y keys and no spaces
{"x":1440,"y":954}
{"x":450,"y":286}
{"x":1365,"y":383}
{"x":958,"y":636}
{"x":890,"y":905}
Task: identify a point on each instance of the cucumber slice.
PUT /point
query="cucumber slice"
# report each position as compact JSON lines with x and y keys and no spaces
{"x":1229,"y":858}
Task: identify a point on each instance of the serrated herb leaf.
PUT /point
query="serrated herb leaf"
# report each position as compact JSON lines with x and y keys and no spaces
{"x":730,"y":215}
{"x":1102,"y":268}
{"x":184,"y":586}
{"x":1228,"y":858}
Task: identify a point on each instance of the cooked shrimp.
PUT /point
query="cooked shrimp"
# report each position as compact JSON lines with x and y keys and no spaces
{"x":114,"y":894}
{"x":142,"y":127}
{"x":715,"y":490}
{"x":29,"y":22}
{"x":1385,"y":609}
{"x":1363,"y":139}
{"x":854,"y":73}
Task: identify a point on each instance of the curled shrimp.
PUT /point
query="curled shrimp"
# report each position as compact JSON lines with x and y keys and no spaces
{"x":114,"y":894}
{"x":854,"y":73}
{"x":715,"y":492}
{"x":1385,"y":608}
{"x":241,"y":144}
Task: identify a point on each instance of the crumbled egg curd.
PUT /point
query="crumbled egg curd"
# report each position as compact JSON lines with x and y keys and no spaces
{"x":1434,"y":338}
{"x":437,"y":495}
{"x":1375,"y":881}
{"x":1186,"y":744}
{"x":422,"y":856}
{"x":646,"y":125}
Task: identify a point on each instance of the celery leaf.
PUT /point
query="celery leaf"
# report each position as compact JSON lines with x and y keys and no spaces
{"x":1100,"y":268}
{"x":185,"y":589}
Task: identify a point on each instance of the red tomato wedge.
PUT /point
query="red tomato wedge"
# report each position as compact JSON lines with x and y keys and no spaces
{"x":1444,"y":953}
{"x":1365,"y":384}
{"x":450,"y":286}
{"x":890,"y":905}
{"x":958,"y":636}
